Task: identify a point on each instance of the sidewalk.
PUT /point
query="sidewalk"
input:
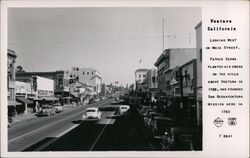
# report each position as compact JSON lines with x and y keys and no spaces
{"x":24,"y":117}
{"x":31,"y":116}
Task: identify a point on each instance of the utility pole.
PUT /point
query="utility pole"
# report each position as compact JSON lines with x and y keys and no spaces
{"x":163,"y":34}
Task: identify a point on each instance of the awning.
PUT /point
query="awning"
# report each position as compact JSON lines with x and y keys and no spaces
{"x":49,"y":98}
{"x":13,"y":103}
{"x":74,"y":94}
{"x":67,"y":97}
{"x":34,"y":98}
{"x":24,"y":100}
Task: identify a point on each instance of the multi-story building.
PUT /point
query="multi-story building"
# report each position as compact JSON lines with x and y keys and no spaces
{"x":188,"y":74}
{"x":167,"y":68}
{"x":199,"y":72}
{"x":22,"y":91}
{"x":31,"y":94}
{"x":60,"y":78}
{"x":103,"y":89}
{"x":11,"y":82}
{"x":151,"y":83}
{"x":87,"y":75}
{"x":140,"y":76}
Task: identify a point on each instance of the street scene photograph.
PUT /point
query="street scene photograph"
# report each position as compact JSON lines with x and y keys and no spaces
{"x":104,"y":79}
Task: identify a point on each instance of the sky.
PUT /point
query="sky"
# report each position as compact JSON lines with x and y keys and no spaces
{"x":114,"y":41}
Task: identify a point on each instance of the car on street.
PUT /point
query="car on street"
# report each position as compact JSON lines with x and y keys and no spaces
{"x":143,"y":110}
{"x":147,"y":111}
{"x":112,"y":108}
{"x":149,"y":118}
{"x":160,"y":125}
{"x":58,"y":108}
{"x":92,"y":113}
{"x":96,"y":100}
{"x":124,"y":110}
{"x":179,"y":138}
{"x":47,"y":110}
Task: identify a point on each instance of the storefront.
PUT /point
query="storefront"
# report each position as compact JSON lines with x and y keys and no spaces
{"x":22,"y":90}
{"x":44,"y":90}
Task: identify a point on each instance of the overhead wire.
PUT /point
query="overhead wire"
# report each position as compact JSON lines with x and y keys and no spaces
{"x":102,"y":40}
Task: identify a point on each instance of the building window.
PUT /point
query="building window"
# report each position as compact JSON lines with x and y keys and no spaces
{"x":77,"y":69}
{"x":139,"y":75}
{"x":200,"y":55}
{"x":92,"y":73}
{"x":153,"y":79}
{"x":60,"y":82}
{"x":71,"y":76}
{"x":83,"y":72}
{"x":144,"y":75}
{"x":87,"y":73}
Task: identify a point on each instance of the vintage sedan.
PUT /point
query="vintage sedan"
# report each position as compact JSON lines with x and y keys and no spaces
{"x":161,"y":125}
{"x":124,"y":110}
{"x":179,"y":139}
{"x":92,"y":114}
{"x":58,"y":108}
{"x":47,"y":110}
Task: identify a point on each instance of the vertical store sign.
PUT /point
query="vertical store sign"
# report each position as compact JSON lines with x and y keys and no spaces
{"x":225,"y":31}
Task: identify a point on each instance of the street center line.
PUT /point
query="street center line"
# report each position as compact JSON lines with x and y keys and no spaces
{"x":93,"y":145}
{"x":66,"y":131}
{"x":21,"y":136}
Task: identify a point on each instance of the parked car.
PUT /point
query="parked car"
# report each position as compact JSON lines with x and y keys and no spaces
{"x":92,"y":114}
{"x":150,"y":118}
{"x":58,"y":108}
{"x":124,"y":110}
{"x":47,"y":110}
{"x":143,"y":110}
{"x":161,"y":125}
{"x":96,"y":100}
{"x":179,"y":139}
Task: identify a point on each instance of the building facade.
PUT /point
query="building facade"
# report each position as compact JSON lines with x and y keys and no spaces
{"x":198,"y":29}
{"x":140,"y":76}
{"x":23,"y":90}
{"x":167,"y":68}
{"x":12,"y":104}
{"x":60,"y":78}
{"x":103,"y":90}
{"x":89,"y":76}
{"x":151,"y":83}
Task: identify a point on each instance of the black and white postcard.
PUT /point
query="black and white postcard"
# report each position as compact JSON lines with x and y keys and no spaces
{"x":124,"y":78}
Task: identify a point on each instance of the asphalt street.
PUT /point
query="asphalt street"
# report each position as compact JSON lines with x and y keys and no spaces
{"x":110,"y":134}
{"x":24,"y":134}
{"x":67,"y":132}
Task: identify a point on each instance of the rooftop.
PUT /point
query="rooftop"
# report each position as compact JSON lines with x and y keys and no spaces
{"x":142,"y":69}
